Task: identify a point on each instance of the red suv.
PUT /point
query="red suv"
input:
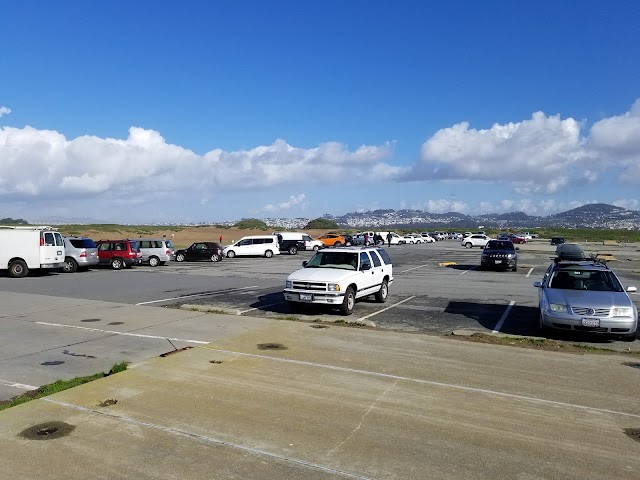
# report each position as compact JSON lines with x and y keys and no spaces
{"x":119,"y":253}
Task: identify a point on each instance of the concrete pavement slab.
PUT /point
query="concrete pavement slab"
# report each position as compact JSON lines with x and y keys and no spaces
{"x":290,"y":400}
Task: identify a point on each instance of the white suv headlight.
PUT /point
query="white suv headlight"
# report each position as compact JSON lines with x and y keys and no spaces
{"x":557,"y":307}
{"x":288,"y":284}
{"x":333,"y":287}
{"x":621,"y":311}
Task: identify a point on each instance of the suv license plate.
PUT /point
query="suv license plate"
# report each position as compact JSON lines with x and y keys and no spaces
{"x":306,"y":297}
{"x":590,"y":322}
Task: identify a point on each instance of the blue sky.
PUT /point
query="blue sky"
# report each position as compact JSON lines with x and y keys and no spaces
{"x":158,"y":111}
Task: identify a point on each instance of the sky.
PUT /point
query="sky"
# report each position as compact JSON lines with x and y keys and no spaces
{"x":205,"y":111}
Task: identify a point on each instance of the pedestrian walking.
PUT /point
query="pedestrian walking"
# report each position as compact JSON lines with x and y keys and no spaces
{"x":389,"y":237}
{"x":220,"y":238}
{"x":366,"y":239}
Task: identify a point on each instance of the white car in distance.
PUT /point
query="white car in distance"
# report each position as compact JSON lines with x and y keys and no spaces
{"x":475,"y":240}
{"x":338,"y":276}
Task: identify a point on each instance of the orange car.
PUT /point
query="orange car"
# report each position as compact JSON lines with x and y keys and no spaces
{"x":332,"y":240}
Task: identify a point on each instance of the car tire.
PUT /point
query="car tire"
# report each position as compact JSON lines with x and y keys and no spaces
{"x":215,"y":257}
{"x":337,"y":244}
{"x":18,"y":269}
{"x":117,"y":263}
{"x":316,"y":248}
{"x":293,"y":251}
{"x":268,"y":254}
{"x":347,"y":244}
{"x":231,"y":254}
{"x":154,"y":261}
{"x":468,"y":245}
{"x":544,"y":330}
{"x":383,"y":293}
{"x":70,"y":265}
{"x":349,"y":302}
{"x":180,"y":257}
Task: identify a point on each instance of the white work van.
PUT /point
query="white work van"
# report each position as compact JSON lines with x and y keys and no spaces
{"x":27,"y":248}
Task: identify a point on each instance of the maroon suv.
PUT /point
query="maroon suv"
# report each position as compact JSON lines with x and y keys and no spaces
{"x":119,"y":253}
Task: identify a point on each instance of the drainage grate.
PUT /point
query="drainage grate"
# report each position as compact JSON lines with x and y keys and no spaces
{"x":47,"y":431}
{"x":271,"y":346}
{"x":632,"y":364}
{"x":52,"y":363}
{"x":115,"y":323}
{"x":90,"y":320}
{"x":633,"y":433}
{"x":319,"y":326}
{"x":216,"y":362}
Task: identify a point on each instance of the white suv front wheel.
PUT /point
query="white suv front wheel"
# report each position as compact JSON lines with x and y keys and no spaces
{"x":349,"y":302}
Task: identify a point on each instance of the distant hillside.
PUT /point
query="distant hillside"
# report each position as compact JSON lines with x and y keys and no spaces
{"x":12,"y":221}
{"x":597,"y":215}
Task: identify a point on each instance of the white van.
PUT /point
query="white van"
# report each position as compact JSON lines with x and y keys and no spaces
{"x":309,"y":242}
{"x":23,"y":248}
{"x":262,"y":245}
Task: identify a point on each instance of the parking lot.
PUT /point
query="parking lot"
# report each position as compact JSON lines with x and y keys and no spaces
{"x":438,"y":289}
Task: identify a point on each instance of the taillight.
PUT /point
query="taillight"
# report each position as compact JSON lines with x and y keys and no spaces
{"x":168,"y":252}
{"x":41,"y":242}
{"x":83,"y":254}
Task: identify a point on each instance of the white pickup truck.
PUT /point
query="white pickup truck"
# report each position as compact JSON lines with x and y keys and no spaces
{"x":338,"y":276}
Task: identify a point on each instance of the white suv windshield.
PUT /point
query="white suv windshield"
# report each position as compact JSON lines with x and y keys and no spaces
{"x":342,"y":260}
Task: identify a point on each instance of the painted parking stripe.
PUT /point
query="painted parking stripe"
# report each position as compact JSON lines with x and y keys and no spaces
{"x":126,"y":334}
{"x":504,"y":317}
{"x":21,"y":386}
{"x":472,"y":268}
{"x":230,"y":290}
{"x":261,"y":306}
{"x":421,"y":381}
{"x":414,"y":268}
{"x":205,"y":438}
{"x":385,"y":309}
{"x":529,"y":272}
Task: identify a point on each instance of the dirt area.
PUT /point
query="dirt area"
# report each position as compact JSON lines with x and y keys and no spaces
{"x":180,"y":236}
{"x":540,"y":344}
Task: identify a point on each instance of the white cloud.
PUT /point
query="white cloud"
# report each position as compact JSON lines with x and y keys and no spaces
{"x":628,"y":203}
{"x":294,"y":201}
{"x":43,"y":162}
{"x":539,"y":155}
{"x":4,"y":111}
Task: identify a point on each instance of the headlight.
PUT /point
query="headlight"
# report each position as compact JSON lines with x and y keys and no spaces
{"x":288,"y":284}
{"x":621,"y":311}
{"x":556,"y":307}
{"x":511,"y":255}
{"x":334,"y":287}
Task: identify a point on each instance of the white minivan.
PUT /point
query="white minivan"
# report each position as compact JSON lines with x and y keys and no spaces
{"x":258,"y":245}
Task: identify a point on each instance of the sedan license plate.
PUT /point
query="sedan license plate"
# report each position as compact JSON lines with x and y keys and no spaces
{"x":590,"y":322}
{"x":306,"y":297}
{"x":498,"y":260}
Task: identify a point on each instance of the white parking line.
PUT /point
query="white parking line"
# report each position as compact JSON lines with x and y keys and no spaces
{"x":504,"y":317}
{"x":454,"y":386}
{"x":223,"y":442}
{"x":414,"y":268}
{"x":261,"y":306}
{"x":198,"y":295}
{"x":127,"y":334}
{"x":21,"y":386}
{"x":529,"y":272}
{"x":472,"y":268}
{"x":385,"y":309}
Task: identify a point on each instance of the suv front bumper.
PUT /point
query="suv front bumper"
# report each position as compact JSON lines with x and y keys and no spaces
{"x":323,"y":298}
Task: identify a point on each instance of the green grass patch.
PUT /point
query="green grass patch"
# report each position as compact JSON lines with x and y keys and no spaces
{"x":59,"y":386}
{"x":291,"y":318}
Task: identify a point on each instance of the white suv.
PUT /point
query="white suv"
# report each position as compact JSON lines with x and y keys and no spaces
{"x":475,"y":240}
{"x":338,"y":276}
